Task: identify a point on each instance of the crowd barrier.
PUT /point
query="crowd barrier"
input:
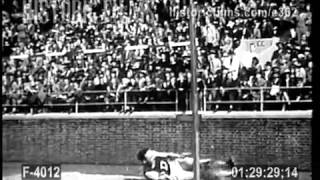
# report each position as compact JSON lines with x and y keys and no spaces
{"x":172,"y":98}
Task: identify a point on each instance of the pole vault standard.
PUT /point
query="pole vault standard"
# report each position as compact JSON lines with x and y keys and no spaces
{"x":194,"y":102}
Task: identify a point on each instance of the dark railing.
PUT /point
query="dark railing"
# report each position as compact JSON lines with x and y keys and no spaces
{"x":282,"y":97}
{"x":170,"y":100}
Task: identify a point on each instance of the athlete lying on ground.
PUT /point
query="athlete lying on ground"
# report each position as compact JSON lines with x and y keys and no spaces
{"x":173,"y":166}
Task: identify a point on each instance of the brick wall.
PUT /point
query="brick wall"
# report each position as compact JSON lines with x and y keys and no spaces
{"x":110,"y":140}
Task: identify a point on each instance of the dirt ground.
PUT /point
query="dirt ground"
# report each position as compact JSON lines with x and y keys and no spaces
{"x":12,"y":171}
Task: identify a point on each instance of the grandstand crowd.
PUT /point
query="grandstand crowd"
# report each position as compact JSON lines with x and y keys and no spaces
{"x":159,"y":69}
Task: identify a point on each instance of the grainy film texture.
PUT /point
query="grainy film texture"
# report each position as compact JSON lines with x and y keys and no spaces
{"x":104,"y":87}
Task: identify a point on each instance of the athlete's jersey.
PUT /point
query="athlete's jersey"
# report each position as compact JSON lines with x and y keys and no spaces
{"x":162,"y":165}
{"x":170,"y":168}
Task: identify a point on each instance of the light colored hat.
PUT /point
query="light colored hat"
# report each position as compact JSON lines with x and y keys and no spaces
{"x":301,"y":56}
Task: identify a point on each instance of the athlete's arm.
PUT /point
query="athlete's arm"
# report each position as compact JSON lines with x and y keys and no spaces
{"x":166,"y":154}
{"x":152,"y":154}
{"x":154,"y":175}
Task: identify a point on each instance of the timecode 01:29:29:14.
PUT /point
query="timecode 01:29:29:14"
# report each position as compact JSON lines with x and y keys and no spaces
{"x":270,"y":172}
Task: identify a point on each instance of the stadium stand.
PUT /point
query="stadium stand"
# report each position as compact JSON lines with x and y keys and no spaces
{"x":116,"y":52}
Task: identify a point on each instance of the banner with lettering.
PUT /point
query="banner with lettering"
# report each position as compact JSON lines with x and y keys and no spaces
{"x":261,"y":48}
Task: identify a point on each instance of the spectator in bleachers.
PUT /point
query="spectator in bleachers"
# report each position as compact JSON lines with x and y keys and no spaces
{"x":182,"y":85}
{"x":230,"y":95}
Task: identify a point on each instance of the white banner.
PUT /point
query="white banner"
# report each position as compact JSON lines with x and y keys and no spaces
{"x":22,"y":56}
{"x":128,"y":48}
{"x":91,"y":51}
{"x":261,"y":48}
{"x":175,"y":44}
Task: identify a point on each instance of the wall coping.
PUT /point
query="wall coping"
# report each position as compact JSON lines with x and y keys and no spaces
{"x":164,"y":114}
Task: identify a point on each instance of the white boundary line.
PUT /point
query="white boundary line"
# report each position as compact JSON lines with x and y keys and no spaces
{"x":159,"y":114}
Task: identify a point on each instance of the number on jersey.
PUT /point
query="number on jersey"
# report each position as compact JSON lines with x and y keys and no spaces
{"x":162,"y":165}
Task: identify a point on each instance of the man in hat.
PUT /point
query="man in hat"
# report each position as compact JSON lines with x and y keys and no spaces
{"x":227,"y":42}
{"x":212,"y":34}
{"x":309,"y":73}
{"x":214,"y":61}
{"x":300,"y":72}
{"x":275,"y":85}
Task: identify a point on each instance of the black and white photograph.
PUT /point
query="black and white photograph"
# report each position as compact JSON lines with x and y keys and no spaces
{"x":157,"y":89}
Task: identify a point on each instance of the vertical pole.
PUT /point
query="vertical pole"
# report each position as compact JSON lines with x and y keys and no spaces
{"x":24,"y":12}
{"x":125,"y":100}
{"x":188,"y":104}
{"x":177,"y":100}
{"x":204,"y":99}
{"x":77,"y":107}
{"x":261,"y":99}
{"x":35,"y":10}
{"x":196,"y":148}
